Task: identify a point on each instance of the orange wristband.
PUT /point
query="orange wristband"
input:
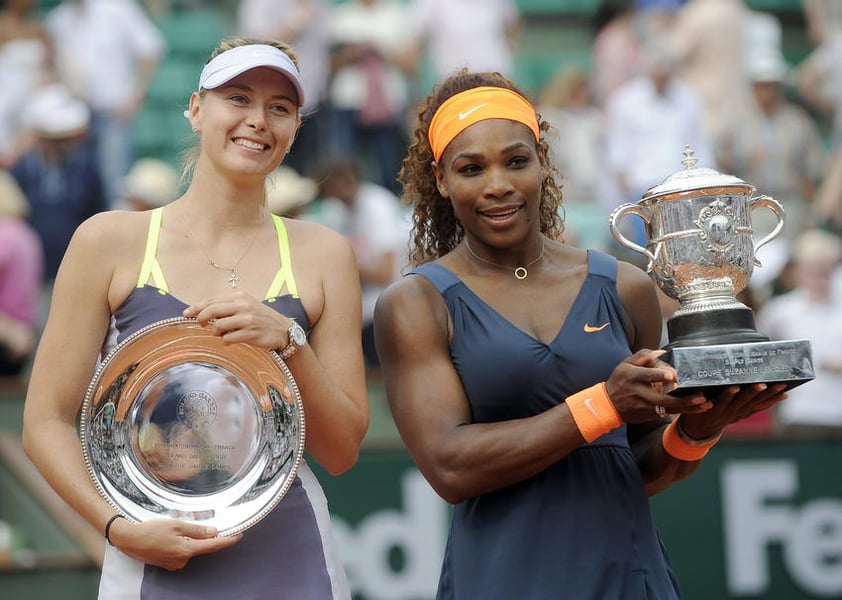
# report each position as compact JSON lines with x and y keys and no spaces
{"x":593,"y":412}
{"x":679,"y":446}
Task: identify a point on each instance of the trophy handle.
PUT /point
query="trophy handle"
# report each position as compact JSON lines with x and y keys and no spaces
{"x":778,"y":209}
{"x":617,"y":215}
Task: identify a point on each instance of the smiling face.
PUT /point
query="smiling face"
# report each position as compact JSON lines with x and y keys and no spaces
{"x":247,"y":124}
{"x":492,"y":176}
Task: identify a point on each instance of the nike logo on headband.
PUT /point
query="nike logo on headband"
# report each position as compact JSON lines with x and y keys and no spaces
{"x":467,"y":113}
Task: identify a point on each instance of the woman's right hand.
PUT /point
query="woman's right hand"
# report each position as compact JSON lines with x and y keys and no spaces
{"x":642,"y":382}
{"x":167,"y":543}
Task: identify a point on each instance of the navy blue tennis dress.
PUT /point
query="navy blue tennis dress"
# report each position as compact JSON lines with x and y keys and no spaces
{"x":581,"y":529}
{"x":288,"y":555}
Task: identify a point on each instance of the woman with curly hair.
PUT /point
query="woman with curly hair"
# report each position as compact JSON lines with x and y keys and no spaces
{"x":521,"y":372}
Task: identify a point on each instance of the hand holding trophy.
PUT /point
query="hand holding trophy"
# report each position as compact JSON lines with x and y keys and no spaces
{"x":702,"y":254}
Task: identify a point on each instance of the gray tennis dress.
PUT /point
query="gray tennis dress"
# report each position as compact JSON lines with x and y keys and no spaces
{"x":581,"y":529}
{"x":288,"y":555}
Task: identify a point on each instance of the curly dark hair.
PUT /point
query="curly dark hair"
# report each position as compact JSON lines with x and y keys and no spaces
{"x":435,"y":229}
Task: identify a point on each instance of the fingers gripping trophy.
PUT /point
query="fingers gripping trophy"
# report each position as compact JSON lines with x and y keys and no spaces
{"x":701,"y":252}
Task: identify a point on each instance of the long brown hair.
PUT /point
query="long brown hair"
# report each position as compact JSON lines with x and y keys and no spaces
{"x":435,"y":229}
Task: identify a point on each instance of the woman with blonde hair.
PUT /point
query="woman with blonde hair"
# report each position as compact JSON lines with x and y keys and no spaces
{"x":216,"y":255}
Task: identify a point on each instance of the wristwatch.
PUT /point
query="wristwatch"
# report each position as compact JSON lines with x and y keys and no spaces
{"x":297,"y":340}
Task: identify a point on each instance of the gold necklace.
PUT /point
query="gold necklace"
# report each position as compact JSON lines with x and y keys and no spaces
{"x":520,"y":273}
{"x":233,"y":277}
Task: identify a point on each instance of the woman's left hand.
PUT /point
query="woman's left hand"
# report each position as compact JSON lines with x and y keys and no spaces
{"x":731,"y":404}
{"x":240,"y":317}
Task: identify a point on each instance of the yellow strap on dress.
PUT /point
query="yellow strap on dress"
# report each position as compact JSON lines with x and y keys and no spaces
{"x":284,"y":274}
{"x":150,"y":266}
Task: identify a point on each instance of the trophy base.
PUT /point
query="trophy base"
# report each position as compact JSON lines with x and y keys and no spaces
{"x":712,"y":327}
{"x":718,"y":365}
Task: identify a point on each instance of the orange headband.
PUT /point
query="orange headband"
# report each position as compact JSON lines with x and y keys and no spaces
{"x":461,"y":111}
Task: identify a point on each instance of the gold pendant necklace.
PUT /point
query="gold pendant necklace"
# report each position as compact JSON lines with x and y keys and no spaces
{"x":233,"y":277}
{"x":520,"y":273}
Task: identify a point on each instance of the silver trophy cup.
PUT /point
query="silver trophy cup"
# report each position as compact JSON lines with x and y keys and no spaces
{"x":701,"y":252}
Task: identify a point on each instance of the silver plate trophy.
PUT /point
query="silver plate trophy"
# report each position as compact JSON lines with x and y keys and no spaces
{"x":175,"y":423}
{"x":701,"y":252}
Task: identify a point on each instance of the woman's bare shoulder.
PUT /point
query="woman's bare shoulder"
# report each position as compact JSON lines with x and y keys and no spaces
{"x":412,"y":294}
{"x":633,"y":278}
{"x":312,"y":230}
{"x":115,"y":228}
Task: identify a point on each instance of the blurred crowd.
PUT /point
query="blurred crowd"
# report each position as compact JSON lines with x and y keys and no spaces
{"x":661,"y":75}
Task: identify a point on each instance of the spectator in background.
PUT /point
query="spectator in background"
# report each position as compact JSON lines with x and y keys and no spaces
{"x":465,"y":33}
{"x":819,"y":82}
{"x":812,"y":310}
{"x":777,"y":148}
{"x":60,"y":176}
{"x":21,"y":263}
{"x":577,"y":148}
{"x":369,"y":89}
{"x":150,"y":183}
{"x":26,"y":62}
{"x":304,"y":24}
{"x":828,"y":201}
{"x":708,"y":37}
{"x":107,"y":52}
{"x":617,"y":47}
{"x":577,"y":145}
{"x":650,"y":121}
{"x":371,"y":217}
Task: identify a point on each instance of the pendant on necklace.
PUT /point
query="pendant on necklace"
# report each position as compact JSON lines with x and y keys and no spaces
{"x":520,"y":273}
{"x":233,"y":278}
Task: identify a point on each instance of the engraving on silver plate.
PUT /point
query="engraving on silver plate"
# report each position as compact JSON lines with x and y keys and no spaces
{"x":177,"y":424}
{"x":788,"y":361}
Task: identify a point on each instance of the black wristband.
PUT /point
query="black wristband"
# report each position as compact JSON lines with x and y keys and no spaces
{"x":108,"y":526}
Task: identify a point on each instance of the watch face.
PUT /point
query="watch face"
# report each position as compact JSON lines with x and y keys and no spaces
{"x":297,"y":335}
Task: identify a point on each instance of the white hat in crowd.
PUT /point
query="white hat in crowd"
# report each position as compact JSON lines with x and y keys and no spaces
{"x":288,"y":191}
{"x":56,"y":114}
{"x":766,"y":66}
{"x":814,"y":245}
{"x":151,"y":182}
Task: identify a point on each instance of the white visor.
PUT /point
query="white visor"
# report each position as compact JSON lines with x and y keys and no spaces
{"x":227,"y":65}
